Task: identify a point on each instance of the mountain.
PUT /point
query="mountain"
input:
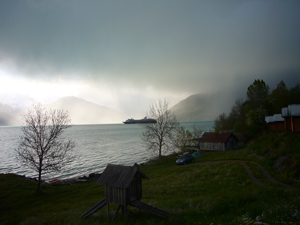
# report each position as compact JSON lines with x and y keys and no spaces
{"x":9,"y":116}
{"x":80,"y":112}
{"x":84,"y":112}
{"x":8,"y":120}
{"x":201,"y":107}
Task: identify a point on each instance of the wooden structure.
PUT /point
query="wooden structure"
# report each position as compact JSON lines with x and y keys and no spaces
{"x":123,"y":186}
{"x":218,"y":141}
{"x":122,"y":183}
{"x":291,"y":116}
{"x":270,"y":123}
{"x":275,"y":122}
{"x":288,"y":120}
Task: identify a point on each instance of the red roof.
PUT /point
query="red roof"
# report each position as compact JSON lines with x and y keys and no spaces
{"x":220,"y":137}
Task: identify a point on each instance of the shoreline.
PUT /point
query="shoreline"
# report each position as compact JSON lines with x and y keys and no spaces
{"x":84,"y":178}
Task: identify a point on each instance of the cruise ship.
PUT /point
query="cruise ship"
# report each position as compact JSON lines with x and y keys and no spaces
{"x":145,"y":120}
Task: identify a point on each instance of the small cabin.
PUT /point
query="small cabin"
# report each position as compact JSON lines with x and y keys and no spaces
{"x":275,"y":122}
{"x":287,"y":119}
{"x":279,"y":122}
{"x":294,"y":116}
{"x":270,"y":123}
{"x":123,"y":184}
{"x":218,"y":141}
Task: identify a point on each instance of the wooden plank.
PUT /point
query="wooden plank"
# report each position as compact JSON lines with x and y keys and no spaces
{"x":149,"y":208}
{"x":116,"y":212}
{"x":94,"y":209}
{"x":108,"y":211}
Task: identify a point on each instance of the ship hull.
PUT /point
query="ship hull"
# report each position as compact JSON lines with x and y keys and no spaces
{"x":140,"y":121}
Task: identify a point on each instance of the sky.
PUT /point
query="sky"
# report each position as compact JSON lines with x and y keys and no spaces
{"x":127,"y":54}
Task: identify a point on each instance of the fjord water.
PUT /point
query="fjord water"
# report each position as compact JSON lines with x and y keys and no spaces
{"x":97,"y":145}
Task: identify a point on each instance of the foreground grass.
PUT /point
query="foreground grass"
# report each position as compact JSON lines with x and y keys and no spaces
{"x":220,"y":193}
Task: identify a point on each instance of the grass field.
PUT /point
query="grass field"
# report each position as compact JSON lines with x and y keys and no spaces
{"x":213,"y":193}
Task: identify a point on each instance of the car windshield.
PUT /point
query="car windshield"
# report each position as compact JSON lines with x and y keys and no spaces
{"x":184,"y":157}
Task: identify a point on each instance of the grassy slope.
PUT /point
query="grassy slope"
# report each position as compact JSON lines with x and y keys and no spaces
{"x":220,"y":193}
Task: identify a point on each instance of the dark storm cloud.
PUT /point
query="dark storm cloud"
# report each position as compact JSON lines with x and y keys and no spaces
{"x":188,"y":46}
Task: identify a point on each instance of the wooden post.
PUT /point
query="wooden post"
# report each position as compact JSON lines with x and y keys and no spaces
{"x":124,"y":211}
{"x":108,"y":210}
{"x":116,"y":212}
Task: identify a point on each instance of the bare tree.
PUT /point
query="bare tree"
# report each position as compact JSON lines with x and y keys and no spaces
{"x":186,"y":139}
{"x":42,"y":147}
{"x":160,"y":136}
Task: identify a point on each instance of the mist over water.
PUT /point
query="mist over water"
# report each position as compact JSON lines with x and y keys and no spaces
{"x":97,"y":145}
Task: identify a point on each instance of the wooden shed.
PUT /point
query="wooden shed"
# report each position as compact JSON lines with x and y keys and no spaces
{"x":287,"y":119}
{"x":218,"y":141}
{"x":279,"y":122}
{"x":123,"y":186}
{"x":270,"y":123}
{"x":291,"y":115}
{"x":122,"y":183}
{"x":294,"y":114}
{"x":275,"y":122}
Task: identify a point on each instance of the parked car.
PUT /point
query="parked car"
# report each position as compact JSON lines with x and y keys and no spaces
{"x":185,"y":158}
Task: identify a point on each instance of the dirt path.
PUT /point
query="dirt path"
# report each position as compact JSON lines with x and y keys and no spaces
{"x":251,"y":175}
{"x":266,"y":174}
{"x":243,"y":163}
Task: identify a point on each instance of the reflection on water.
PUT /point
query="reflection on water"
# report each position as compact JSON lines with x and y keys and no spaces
{"x":97,"y":146}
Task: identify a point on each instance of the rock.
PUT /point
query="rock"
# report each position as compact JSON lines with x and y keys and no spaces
{"x":94,"y":175}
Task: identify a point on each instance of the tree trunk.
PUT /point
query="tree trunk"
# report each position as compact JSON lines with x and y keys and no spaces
{"x":40,"y":178}
{"x":161,"y":141}
{"x":39,"y":182}
{"x":160,"y":147}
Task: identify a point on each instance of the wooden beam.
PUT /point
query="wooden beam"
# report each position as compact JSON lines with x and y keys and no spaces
{"x":108,"y":211}
{"x":116,"y":212}
{"x":124,"y":210}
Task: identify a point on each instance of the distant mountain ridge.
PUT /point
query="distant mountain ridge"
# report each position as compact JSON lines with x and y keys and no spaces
{"x":9,"y":116}
{"x":197,"y":107}
{"x":85,"y":112}
{"x":200,"y":107}
{"x":80,"y":112}
{"x":8,"y":120}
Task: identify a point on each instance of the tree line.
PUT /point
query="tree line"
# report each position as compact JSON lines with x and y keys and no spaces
{"x":248,"y":116}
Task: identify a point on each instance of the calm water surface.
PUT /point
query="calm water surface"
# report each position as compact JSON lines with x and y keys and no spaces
{"x":97,"y":146}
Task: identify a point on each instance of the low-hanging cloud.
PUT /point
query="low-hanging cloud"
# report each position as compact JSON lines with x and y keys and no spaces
{"x":171,"y":46}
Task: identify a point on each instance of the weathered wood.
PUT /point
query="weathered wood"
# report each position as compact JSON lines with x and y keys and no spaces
{"x":218,"y":141}
{"x":123,"y":185}
{"x":125,"y":213}
{"x":108,"y":211}
{"x":149,"y":208}
{"x":94,"y":209}
{"x":116,"y":212}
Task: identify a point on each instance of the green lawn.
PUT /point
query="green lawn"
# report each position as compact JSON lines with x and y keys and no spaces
{"x":220,"y":193}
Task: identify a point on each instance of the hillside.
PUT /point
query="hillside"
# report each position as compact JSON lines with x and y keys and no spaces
{"x":8,"y":120}
{"x":80,"y":111}
{"x":231,"y":187}
{"x":200,"y":107}
{"x":84,"y":112}
{"x":197,"y":107}
{"x":9,"y":116}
